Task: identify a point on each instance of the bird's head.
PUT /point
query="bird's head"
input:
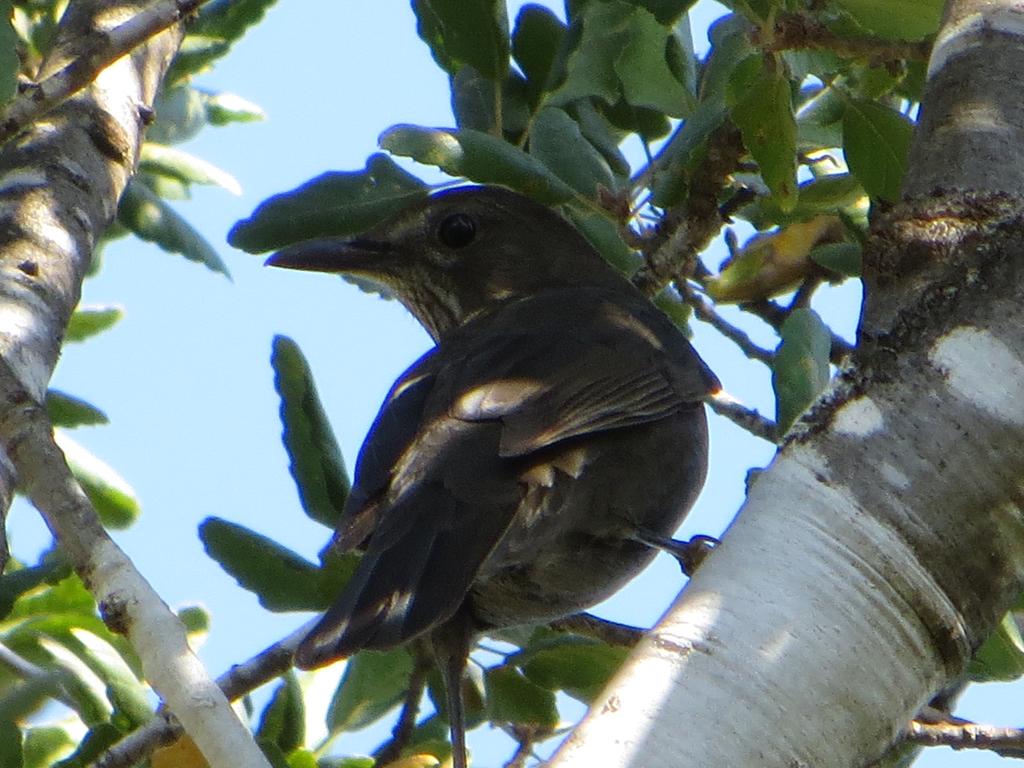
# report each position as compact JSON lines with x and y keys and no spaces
{"x":460,"y":251}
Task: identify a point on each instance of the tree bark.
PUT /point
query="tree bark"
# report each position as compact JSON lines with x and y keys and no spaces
{"x":886,"y":539}
{"x":60,"y":181}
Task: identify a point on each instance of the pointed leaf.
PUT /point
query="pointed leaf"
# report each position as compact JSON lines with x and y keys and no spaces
{"x":643,"y":69}
{"x":186,"y":167}
{"x":315,"y":459}
{"x":115,"y":501}
{"x":281,"y":579}
{"x":905,"y":20}
{"x":151,"y":219}
{"x":801,"y":369}
{"x":477,"y":156}
{"x":590,"y":69}
{"x":536,"y":40}
{"x":373,"y":684}
{"x":556,"y":140}
{"x":88,"y":321}
{"x":335,"y":203}
{"x":876,"y":140}
{"x":1001,"y":656}
{"x":842,"y":258}
{"x":68,"y":411}
{"x":44,"y":745}
{"x":229,"y":19}
{"x":512,"y":698}
{"x":762,"y":109}
{"x":283,"y":721}
{"x":223,"y":108}
{"x":581,"y":669}
{"x":473,"y":32}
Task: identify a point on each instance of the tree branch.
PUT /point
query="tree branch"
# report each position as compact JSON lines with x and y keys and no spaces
{"x":686,"y":231}
{"x":799,"y":31}
{"x":89,"y":55}
{"x":273,"y":661}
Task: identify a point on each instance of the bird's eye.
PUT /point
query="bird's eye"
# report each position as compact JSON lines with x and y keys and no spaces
{"x":457,"y":230}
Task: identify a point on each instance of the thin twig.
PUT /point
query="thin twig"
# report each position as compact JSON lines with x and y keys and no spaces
{"x":610,"y":632}
{"x":705,"y":310}
{"x":775,"y":315}
{"x":93,"y":53}
{"x":241,"y":679}
{"x":404,"y":729}
{"x":747,"y":418}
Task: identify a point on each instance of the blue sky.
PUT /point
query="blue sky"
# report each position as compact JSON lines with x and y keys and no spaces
{"x":185,"y":377}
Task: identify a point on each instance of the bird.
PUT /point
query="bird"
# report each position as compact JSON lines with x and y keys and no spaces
{"x":529,"y":464}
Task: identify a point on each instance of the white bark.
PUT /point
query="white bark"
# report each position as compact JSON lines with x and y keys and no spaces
{"x":60,"y":181}
{"x":887,"y":537}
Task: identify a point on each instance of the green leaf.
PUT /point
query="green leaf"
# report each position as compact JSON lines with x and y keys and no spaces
{"x":643,"y":70}
{"x":905,"y":20}
{"x":195,"y":55}
{"x":473,"y":102}
{"x":876,"y":140}
{"x":11,"y":754}
{"x":590,"y":69}
{"x":15,"y":583}
{"x":336,"y":203}
{"x":44,"y":744}
{"x":9,"y":62}
{"x":281,"y":579}
{"x":68,"y":411}
{"x":762,"y":109}
{"x":315,"y":460}
{"x":223,"y":108}
{"x":603,"y":234}
{"x":153,"y":220}
{"x":473,"y":32}
{"x":373,"y":684}
{"x":667,"y":11}
{"x":478,"y":156}
{"x":129,"y":697}
{"x":1001,"y":656}
{"x":88,"y":321}
{"x":536,"y":40}
{"x":229,"y":19}
{"x":512,"y":698}
{"x":283,"y":720}
{"x":834,"y":193}
{"x":180,"y":115}
{"x":97,"y":741}
{"x":604,"y":136}
{"x":842,"y":258}
{"x":556,"y":140}
{"x":186,"y":167}
{"x":730,"y":46}
{"x":195,"y":618}
{"x":114,"y":500}
{"x":580,"y":668}
{"x":801,"y":370}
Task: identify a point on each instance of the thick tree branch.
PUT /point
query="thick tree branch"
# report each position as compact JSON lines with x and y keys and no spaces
{"x":59,"y":187}
{"x":273,"y":661}
{"x":799,"y":31}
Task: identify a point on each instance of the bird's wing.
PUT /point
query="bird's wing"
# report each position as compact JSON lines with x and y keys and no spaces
{"x":546,"y":385}
{"x":432,"y":498}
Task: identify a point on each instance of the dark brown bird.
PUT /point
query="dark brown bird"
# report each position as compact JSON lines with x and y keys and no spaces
{"x":519,"y":471}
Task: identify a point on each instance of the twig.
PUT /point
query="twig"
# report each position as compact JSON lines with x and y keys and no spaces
{"x":44,"y":679}
{"x":705,"y":310}
{"x":963,"y":734}
{"x":747,"y":418}
{"x":127,"y":602}
{"x":526,"y":736}
{"x":775,"y":315}
{"x":241,"y":679}
{"x":406,"y":725}
{"x":610,"y":632}
{"x":93,"y":53}
{"x":797,"y":31}
{"x":685,"y":231}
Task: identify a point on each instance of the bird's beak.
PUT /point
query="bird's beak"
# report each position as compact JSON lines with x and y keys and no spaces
{"x":334,"y":254}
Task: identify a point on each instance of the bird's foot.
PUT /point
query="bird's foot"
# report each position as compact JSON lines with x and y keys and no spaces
{"x":689,"y":554}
